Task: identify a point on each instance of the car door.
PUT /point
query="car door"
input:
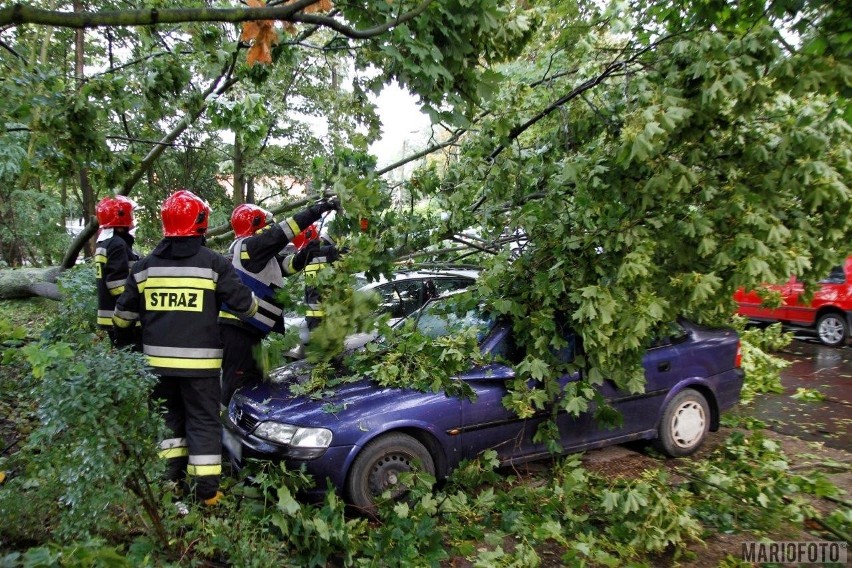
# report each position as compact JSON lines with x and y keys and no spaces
{"x":664,"y":367}
{"x":486,"y":423}
{"x":795,"y":309}
{"x":750,"y":303}
{"x":831,"y":290}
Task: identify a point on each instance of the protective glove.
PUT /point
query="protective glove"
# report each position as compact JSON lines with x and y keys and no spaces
{"x":325,"y":205}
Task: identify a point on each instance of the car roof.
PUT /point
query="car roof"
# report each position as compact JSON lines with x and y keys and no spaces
{"x":421,"y":273}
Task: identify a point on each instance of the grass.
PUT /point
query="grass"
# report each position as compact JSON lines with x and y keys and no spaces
{"x":30,"y":313}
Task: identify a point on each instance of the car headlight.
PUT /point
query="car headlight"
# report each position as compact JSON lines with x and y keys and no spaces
{"x":295,"y":436}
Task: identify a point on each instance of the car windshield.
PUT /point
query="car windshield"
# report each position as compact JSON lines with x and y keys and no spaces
{"x":444,"y":317}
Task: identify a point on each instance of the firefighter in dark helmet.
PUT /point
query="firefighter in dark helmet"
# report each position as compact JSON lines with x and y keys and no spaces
{"x":114,"y":256}
{"x":259,"y":257}
{"x":176,"y":292}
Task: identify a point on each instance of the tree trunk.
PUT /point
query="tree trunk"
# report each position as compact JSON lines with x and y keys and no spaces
{"x":250,"y":197}
{"x":239,"y":174}
{"x":29,"y":282}
{"x":85,"y":186}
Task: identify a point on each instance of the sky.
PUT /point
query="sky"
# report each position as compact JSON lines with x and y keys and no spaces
{"x":405,"y":128}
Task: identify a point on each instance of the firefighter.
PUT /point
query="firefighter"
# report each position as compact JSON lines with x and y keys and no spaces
{"x":114,"y":256}
{"x":258,"y":254}
{"x":321,"y":252}
{"x":176,"y":292}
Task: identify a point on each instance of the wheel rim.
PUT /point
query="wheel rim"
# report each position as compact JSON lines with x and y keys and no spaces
{"x":385,"y":474}
{"x":831,"y":330}
{"x":687,"y":428}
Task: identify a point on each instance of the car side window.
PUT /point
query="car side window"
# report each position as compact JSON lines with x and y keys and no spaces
{"x":836,"y":276}
{"x":567,"y":353}
{"x":450,"y":284}
{"x":391,"y":302}
{"x":410,"y":296}
{"x":674,"y":333}
{"x":506,"y":349}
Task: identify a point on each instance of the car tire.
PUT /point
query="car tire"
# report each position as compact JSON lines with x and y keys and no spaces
{"x":832,"y":329}
{"x":684,"y":425}
{"x":377,"y":467}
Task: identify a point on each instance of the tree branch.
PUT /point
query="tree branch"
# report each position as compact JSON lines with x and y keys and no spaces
{"x":333,"y":24}
{"x":610,"y":69}
{"x":434,"y":148}
{"x":22,"y":14}
{"x":155,"y":152}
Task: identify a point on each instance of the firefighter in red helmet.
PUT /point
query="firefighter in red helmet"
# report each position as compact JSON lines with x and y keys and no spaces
{"x":114,"y":256}
{"x":176,"y":292}
{"x":259,"y":257}
{"x":318,"y":253}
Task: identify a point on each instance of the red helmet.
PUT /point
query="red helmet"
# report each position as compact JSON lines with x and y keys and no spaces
{"x":247,"y":218}
{"x":311,"y":233}
{"x":184,"y":215}
{"x":115,"y":211}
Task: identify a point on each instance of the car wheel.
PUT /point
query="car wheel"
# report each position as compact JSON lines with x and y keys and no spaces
{"x":685,"y":423}
{"x":832,"y":329}
{"x":378,"y":466}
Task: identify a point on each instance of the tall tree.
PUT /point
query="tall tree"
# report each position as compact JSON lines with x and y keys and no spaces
{"x":166,"y":67}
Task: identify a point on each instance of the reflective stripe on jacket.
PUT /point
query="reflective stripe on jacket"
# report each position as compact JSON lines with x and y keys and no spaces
{"x":113,"y":260}
{"x":177,"y":300}
{"x":258,"y":262}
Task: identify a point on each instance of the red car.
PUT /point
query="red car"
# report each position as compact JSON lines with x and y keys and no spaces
{"x":829,"y":312}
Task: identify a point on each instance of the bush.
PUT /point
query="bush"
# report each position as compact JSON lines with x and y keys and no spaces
{"x":96,"y":437}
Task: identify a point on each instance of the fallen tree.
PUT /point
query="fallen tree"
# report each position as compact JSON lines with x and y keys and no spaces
{"x":16,"y":283}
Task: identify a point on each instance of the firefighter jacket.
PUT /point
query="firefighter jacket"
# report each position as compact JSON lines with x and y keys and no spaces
{"x":114,"y":258}
{"x":176,"y":292}
{"x":318,"y":258}
{"x":261,"y":265}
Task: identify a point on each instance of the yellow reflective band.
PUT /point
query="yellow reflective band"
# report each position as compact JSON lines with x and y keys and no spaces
{"x":224,"y":314}
{"x":290,"y":267}
{"x":177,"y":282}
{"x":177,"y":363}
{"x":294,"y":226}
{"x":199,"y":470}
{"x":119,"y":322}
{"x":174,"y":453}
{"x":100,"y":258}
{"x":116,"y":291}
{"x":159,"y":299}
{"x":315,"y":313}
{"x":244,"y":255}
{"x":105,"y":321}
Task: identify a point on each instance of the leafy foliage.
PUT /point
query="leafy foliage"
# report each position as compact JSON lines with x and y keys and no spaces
{"x":407,"y":359}
{"x":753,"y":487}
{"x":95,"y":433}
{"x":762,"y":369}
{"x":92,"y":399}
{"x":657,"y":158}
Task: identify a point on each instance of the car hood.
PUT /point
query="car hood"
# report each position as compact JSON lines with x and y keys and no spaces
{"x":349,"y":403}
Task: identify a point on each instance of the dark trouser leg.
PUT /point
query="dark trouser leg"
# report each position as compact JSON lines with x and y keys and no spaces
{"x":313,"y":322}
{"x":203,"y":434}
{"x":239,"y":362}
{"x":174,"y":450}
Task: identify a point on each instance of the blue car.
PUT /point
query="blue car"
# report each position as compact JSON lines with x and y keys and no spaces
{"x":376,"y":433}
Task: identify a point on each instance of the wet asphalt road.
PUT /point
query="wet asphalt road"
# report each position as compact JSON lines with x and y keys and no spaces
{"x":816,"y":367}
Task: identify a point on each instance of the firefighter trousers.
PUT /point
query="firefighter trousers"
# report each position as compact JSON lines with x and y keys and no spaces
{"x":239,"y":360}
{"x":194,"y":451}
